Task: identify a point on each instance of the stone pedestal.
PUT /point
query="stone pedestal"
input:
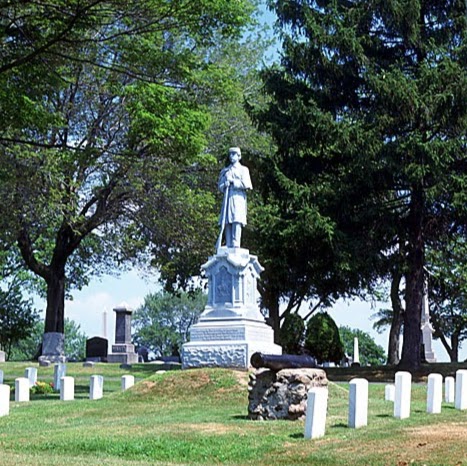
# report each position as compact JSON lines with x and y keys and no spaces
{"x":123,"y":351}
{"x":53,"y":347}
{"x":231,"y":328}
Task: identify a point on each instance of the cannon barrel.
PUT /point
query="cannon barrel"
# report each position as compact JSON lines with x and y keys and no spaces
{"x":277,"y":362}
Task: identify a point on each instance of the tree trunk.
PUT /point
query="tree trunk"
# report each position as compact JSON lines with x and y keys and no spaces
{"x":411,"y":349}
{"x":270,"y":301}
{"x":397,"y":319}
{"x":55,"y":311}
{"x":454,"y":353}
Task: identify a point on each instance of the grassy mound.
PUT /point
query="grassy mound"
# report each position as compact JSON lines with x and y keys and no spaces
{"x":195,"y":383}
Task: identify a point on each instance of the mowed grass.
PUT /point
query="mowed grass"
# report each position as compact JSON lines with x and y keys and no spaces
{"x":199,"y":417}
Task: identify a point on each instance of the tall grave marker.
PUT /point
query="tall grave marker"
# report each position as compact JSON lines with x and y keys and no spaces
{"x":123,"y":351}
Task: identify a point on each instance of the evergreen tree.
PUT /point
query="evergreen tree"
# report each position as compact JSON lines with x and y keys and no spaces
{"x":322,"y":339}
{"x":292,"y":333}
{"x":369,"y":113}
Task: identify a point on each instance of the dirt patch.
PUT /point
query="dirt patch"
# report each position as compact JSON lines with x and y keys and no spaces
{"x":241,"y":377}
{"x":442,"y":433}
{"x":144,"y":387}
{"x":211,"y":428}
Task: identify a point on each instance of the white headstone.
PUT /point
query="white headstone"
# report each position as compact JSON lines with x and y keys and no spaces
{"x":316,"y":407}
{"x":21,"y":389}
{"x":403,"y":393}
{"x":434,"y":396}
{"x":1,"y":376}
{"x":358,"y":403}
{"x":67,"y":388}
{"x":31,"y":374}
{"x":96,"y":388}
{"x":461,"y":389}
{"x":449,"y":389}
{"x":2,"y":356}
{"x":4,"y":400}
{"x":356,"y":352}
{"x":127,"y":381}
{"x":389,"y":391}
{"x":59,"y":372}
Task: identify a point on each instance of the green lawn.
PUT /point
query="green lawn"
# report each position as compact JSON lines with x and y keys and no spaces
{"x":199,"y":417}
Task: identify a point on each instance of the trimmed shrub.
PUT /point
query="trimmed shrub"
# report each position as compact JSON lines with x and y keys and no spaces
{"x":322,"y":339}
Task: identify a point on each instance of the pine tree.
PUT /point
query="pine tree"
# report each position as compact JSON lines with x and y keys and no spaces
{"x":369,"y":113}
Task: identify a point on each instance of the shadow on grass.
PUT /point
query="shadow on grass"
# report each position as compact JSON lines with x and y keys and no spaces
{"x":383,"y":415}
{"x":298,"y":435}
{"x":242,"y":417}
{"x":152,"y":368}
{"x":339,"y":424}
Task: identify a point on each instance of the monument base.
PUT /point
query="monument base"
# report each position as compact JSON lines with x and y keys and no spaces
{"x":123,"y":353}
{"x":430,"y":356}
{"x":122,"y":358}
{"x":231,"y":328}
{"x":227,"y":343}
{"x":53,"y":348}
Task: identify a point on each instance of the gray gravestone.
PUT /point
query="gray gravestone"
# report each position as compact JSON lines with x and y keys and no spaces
{"x":53,"y":347}
{"x":59,"y":372}
{"x":123,"y":351}
{"x":97,"y":349}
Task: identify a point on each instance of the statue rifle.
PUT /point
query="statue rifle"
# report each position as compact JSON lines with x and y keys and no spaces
{"x":224,"y":215}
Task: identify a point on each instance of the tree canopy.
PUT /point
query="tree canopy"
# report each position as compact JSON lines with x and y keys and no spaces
{"x":368,"y":110}
{"x":370,"y":353}
{"x":109,"y":134}
{"x":162,"y":322}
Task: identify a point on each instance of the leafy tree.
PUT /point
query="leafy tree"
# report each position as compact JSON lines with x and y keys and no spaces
{"x":322,"y":339}
{"x":28,"y":348}
{"x":292,"y":333}
{"x":369,"y":113}
{"x":75,"y":341}
{"x":161,"y":324}
{"x":370,"y":353}
{"x":17,"y":316}
{"x":179,"y":260}
{"x":113,"y":135}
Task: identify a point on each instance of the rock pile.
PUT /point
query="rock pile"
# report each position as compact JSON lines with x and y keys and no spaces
{"x":282,"y":394}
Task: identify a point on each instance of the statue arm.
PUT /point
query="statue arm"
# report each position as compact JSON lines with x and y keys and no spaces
{"x":244,"y":182}
{"x":223,"y":182}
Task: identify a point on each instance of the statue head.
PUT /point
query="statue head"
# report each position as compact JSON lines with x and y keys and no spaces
{"x":234,"y":154}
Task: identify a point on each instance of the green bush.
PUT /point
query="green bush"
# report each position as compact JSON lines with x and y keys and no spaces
{"x":322,"y":339}
{"x":291,"y":334}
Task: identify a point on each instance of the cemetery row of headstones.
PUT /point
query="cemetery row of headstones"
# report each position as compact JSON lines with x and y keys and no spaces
{"x":399,"y":393}
{"x":62,"y":383}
